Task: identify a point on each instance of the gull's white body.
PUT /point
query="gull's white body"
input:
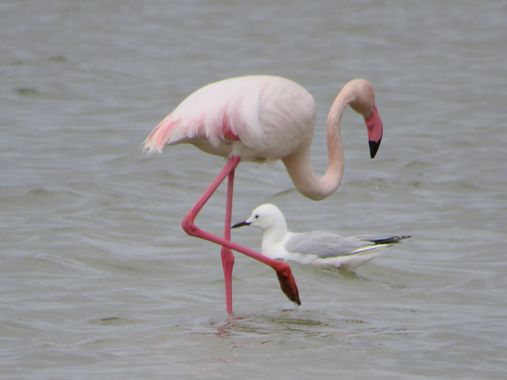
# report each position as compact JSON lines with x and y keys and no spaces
{"x":315,"y":247}
{"x":276,"y":248}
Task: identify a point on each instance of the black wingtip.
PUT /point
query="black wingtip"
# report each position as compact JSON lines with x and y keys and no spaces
{"x":391,"y":240}
{"x":374,"y":145}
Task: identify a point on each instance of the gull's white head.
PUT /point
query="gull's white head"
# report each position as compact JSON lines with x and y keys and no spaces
{"x":265,"y":217}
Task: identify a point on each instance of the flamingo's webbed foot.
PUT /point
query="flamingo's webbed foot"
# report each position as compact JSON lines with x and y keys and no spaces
{"x":288,"y":283}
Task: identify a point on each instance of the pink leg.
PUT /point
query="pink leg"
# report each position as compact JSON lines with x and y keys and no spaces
{"x":227,"y":256}
{"x":283,"y":271}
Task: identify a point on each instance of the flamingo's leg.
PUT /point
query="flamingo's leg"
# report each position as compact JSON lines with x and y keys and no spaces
{"x":227,"y":256}
{"x":283,"y":271}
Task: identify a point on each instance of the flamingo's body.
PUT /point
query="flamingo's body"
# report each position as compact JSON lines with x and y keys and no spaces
{"x":258,"y":118}
{"x":263,"y":118}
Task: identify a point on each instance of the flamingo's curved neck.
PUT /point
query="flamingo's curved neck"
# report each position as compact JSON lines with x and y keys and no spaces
{"x":299,"y":164}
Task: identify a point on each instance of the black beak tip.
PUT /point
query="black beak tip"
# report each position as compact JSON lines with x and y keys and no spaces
{"x":374,"y":145}
{"x":240,"y":224}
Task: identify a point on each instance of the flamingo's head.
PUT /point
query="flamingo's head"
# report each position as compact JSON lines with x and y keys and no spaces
{"x":361,"y":97}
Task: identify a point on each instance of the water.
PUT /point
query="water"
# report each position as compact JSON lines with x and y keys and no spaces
{"x":98,"y":280}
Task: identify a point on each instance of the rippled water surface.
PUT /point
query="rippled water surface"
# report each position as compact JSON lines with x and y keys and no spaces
{"x":97,"y":278}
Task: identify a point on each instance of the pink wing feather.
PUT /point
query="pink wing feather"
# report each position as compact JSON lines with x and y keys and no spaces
{"x":214,"y":112}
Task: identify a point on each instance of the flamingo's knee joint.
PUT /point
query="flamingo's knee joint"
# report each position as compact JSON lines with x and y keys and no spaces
{"x":189,"y":226}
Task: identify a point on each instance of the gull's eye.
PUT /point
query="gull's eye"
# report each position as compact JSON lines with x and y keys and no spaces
{"x":256,"y":216}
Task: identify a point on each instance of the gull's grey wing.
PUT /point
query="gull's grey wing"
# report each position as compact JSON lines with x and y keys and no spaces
{"x":324,"y":244}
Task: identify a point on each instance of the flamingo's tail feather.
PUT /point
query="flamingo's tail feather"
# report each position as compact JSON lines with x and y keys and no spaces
{"x":159,"y":137}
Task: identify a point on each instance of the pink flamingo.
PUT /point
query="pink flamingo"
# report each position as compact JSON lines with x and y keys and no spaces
{"x":262,"y":118}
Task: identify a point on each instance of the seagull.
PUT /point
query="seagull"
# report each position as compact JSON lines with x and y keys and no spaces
{"x":314,"y":247}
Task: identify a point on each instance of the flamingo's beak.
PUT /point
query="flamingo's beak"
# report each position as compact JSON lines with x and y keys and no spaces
{"x":241,"y":224}
{"x":375,"y":130}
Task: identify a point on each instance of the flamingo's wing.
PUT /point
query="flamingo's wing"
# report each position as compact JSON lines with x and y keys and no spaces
{"x":205,"y":114}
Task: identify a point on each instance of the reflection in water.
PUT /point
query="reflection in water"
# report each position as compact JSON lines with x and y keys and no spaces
{"x":283,"y":323}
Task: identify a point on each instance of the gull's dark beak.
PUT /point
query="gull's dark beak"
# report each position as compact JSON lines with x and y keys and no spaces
{"x":241,"y":224}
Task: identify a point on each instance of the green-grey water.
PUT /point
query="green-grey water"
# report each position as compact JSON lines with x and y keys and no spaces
{"x":97,"y":280}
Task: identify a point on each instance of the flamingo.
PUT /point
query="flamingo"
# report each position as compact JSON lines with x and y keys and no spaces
{"x":262,"y":118}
